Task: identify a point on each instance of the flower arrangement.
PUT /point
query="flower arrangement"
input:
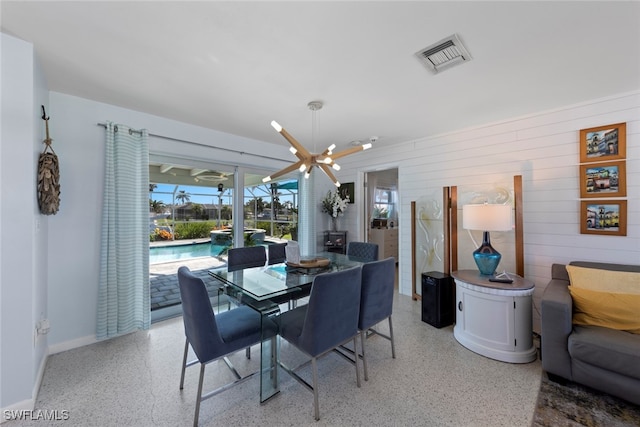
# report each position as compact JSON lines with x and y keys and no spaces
{"x":334,"y":204}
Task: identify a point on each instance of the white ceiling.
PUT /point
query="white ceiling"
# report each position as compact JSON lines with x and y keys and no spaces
{"x":235,"y":66}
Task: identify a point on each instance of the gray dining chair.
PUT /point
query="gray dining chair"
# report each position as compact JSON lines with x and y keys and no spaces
{"x":329,"y":320}
{"x":376,"y":302}
{"x":376,"y":305}
{"x":213,"y":337}
{"x":364,"y":250}
{"x":277,"y":253}
{"x":246,"y":257}
{"x":239,"y":259}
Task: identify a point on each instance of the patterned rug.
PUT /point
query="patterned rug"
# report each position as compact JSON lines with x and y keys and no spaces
{"x":576,"y":405}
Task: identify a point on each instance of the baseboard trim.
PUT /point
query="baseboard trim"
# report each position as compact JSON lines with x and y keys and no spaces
{"x":70,"y":345}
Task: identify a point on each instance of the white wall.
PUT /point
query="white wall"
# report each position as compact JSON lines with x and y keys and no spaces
{"x":544,"y":149}
{"x":74,"y":232}
{"x":23,"y":255}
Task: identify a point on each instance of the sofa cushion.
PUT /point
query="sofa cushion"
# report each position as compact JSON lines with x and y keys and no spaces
{"x":606,"y":309}
{"x":596,"y":279}
{"x":616,"y":351}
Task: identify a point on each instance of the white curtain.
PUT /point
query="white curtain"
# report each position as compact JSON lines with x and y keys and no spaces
{"x":123,"y":294}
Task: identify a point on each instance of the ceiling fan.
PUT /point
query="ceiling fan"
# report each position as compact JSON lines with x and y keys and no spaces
{"x":306,"y":160}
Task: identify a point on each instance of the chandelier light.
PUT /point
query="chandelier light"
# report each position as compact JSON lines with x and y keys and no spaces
{"x":306,"y":160}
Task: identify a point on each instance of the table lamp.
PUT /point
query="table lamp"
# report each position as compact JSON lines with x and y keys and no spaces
{"x":487,"y":218}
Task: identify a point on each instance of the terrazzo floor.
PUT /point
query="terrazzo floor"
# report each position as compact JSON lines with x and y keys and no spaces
{"x":434,"y":381}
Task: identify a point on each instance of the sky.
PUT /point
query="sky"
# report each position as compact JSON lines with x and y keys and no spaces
{"x":209,"y":195}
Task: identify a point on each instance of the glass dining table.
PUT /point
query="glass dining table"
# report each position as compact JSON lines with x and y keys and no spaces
{"x":264,"y":289}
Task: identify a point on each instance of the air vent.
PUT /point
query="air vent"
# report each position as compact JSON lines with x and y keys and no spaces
{"x":444,"y":54}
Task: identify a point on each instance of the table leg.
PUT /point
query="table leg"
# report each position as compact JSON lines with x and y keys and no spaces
{"x":269,"y":354}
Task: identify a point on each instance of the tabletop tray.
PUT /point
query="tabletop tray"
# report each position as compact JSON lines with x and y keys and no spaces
{"x":310,"y":263}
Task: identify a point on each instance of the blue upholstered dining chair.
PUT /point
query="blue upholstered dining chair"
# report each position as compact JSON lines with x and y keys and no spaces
{"x":213,"y":337}
{"x":239,"y":259}
{"x":247,"y":257}
{"x":366,"y":251}
{"x":277,"y":253}
{"x":376,"y":302}
{"x":329,"y":320}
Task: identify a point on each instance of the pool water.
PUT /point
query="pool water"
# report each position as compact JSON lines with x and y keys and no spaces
{"x":174,"y":253}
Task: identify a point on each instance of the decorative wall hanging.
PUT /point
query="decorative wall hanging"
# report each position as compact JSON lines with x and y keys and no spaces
{"x":603,"y":180}
{"x":603,"y":143}
{"x":606,"y":217}
{"x":48,"y":176}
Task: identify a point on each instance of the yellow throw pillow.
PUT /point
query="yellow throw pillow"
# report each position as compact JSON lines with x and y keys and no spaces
{"x":608,"y":309}
{"x":596,"y":279}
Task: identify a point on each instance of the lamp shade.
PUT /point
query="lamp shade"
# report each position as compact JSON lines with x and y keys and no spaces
{"x":486,"y":217}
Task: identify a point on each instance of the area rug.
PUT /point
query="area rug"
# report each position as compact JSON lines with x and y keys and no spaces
{"x":576,"y":405}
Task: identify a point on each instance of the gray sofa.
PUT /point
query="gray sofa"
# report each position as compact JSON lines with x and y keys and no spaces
{"x":601,"y":358}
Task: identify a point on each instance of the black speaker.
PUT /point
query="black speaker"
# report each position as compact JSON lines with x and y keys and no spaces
{"x":438,"y":299}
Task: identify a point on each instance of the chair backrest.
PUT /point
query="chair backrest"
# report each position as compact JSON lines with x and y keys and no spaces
{"x":376,"y":298}
{"x":366,"y":251}
{"x":333,"y":310}
{"x":247,"y":257}
{"x":277,"y":253}
{"x":200,"y":325}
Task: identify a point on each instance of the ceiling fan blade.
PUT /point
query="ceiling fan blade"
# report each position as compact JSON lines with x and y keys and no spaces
{"x":348,"y":151}
{"x":284,"y":171}
{"x":301,"y":152}
{"x":326,"y":170}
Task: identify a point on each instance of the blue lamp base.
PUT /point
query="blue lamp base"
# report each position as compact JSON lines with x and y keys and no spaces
{"x":486,"y":257}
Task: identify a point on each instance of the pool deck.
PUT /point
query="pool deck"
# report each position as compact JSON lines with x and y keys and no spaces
{"x":163,"y":279}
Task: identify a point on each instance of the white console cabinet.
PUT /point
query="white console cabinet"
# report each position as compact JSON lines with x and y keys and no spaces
{"x":494,"y":319}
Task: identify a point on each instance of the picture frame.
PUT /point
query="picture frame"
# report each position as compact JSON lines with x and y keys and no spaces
{"x":348,"y":189}
{"x":603,"y":180}
{"x":605,"y":217}
{"x":603,"y":143}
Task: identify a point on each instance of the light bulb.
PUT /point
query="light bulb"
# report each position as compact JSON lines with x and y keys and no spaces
{"x":327,"y":160}
{"x":331,"y":148}
{"x":276,"y":126}
{"x":266,"y":179}
{"x":302,"y":167}
{"x":293,"y":150}
{"x":307,"y":175}
{"x":336,"y":166}
{"x":337,"y":183}
{"x":366,"y":146}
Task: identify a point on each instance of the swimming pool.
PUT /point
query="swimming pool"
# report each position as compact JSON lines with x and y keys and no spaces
{"x":177,"y":252}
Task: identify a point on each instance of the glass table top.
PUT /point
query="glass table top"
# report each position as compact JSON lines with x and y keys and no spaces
{"x":269,"y":281}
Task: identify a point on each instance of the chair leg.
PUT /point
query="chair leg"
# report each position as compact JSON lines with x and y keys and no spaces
{"x":184,"y":362}
{"x":364,"y":356}
{"x":199,"y":397}
{"x":357,"y":358}
{"x":314,"y":368}
{"x":393,"y":345}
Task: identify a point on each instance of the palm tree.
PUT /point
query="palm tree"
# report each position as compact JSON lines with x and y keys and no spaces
{"x":183,"y":196}
{"x":156,"y":206}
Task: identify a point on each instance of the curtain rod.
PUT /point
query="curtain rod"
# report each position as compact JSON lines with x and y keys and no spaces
{"x":169,"y":138}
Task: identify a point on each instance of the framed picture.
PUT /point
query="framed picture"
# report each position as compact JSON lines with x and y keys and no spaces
{"x":348,"y":189}
{"x":603,"y":217}
{"x":603,"y":143}
{"x":603,"y":180}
